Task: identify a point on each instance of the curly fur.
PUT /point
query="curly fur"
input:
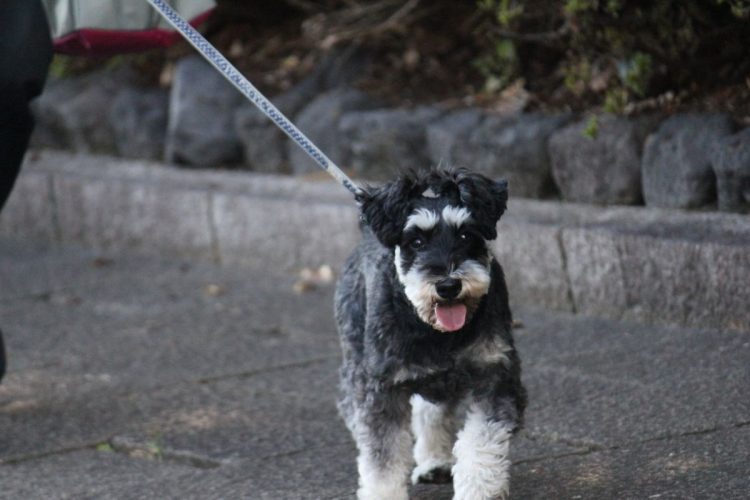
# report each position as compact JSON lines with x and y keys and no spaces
{"x":402,"y":366}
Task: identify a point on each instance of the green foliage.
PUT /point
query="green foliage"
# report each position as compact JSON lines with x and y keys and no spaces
{"x":577,"y":77}
{"x":739,"y":8}
{"x":104,"y":448}
{"x":60,"y":66}
{"x":505,"y":11}
{"x":577,"y":6}
{"x":615,"y":100}
{"x":499,"y":67}
{"x":614,"y":52}
{"x":637,"y":73}
{"x":591,"y":130}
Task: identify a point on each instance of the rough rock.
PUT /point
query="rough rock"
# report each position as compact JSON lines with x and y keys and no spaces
{"x":138,"y":117}
{"x":319,"y":120}
{"x":453,"y":128}
{"x":341,"y":68}
{"x":384,"y":142}
{"x":731,"y":163}
{"x":69,"y":112}
{"x":676,"y":165}
{"x":604,"y":169}
{"x":265,"y":146}
{"x":201,"y":116}
{"x":513,"y":147}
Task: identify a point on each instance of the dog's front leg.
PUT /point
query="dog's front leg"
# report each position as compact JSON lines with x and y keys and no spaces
{"x":434,"y":429}
{"x":382,"y":434}
{"x":482,"y":470}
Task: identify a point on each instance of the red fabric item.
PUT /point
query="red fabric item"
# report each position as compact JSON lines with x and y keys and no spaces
{"x":100,"y":42}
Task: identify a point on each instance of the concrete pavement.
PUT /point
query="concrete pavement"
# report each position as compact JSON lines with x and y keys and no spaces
{"x":133,"y":375}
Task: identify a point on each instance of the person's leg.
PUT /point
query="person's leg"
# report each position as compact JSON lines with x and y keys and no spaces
{"x":16,"y":124}
{"x":25,"y":54}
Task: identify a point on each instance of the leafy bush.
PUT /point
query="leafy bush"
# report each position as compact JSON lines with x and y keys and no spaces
{"x":614,"y":52}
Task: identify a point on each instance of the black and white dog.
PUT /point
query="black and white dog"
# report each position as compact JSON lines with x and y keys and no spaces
{"x":422,"y":311}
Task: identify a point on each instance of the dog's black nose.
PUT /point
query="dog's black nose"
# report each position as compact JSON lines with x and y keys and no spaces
{"x":448,"y":288}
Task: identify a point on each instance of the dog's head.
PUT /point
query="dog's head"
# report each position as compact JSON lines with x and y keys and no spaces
{"x":438,"y":224}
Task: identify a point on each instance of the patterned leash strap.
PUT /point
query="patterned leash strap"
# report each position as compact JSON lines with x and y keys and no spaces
{"x":242,"y":84}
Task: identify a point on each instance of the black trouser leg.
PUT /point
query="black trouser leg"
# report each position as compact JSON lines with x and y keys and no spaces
{"x":16,"y":124}
{"x":25,"y":54}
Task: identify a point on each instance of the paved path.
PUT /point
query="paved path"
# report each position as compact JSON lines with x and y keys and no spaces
{"x":144,"y":377}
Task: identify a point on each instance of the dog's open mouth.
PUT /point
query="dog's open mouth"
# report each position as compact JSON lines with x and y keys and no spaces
{"x":450,"y":316}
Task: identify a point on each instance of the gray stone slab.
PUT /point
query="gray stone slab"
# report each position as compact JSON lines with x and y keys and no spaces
{"x":25,"y":267}
{"x":534,"y":264}
{"x":118,"y":171}
{"x":231,"y":394}
{"x":712,"y":465}
{"x":597,"y":383}
{"x":267,"y":232}
{"x":595,"y":271}
{"x":685,"y":282}
{"x":272,"y":413}
{"x":134,"y":320}
{"x":96,"y":474}
{"x":660,"y":274}
{"x":106,"y":215}
{"x":29,"y":212}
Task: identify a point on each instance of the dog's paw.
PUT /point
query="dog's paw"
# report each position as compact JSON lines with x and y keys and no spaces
{"x":434,"y":475}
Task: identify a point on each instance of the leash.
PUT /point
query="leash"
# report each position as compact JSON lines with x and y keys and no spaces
{"x":247,"y":89}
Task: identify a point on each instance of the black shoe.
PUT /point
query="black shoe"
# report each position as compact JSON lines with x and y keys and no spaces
{"x":2,"y":356}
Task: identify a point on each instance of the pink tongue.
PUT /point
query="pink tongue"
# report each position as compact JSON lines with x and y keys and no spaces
{"x":451,"y":318}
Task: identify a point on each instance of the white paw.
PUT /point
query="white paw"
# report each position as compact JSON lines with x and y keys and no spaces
{"x":383,"y":492}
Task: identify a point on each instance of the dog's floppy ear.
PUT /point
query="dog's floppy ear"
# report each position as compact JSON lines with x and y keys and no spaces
{"x":486,"y":200}
{"x":386,"y":208}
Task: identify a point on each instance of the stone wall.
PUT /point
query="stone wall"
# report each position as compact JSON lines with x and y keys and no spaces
{"x":689,"y":161}
{"x":646,"y":264}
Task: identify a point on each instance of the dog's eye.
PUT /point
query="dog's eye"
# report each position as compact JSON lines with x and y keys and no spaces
{"x":416,"y":243}
{"x":466,"y":236}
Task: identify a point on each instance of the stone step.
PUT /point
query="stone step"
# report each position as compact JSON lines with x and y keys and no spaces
{"x":645,"y":264}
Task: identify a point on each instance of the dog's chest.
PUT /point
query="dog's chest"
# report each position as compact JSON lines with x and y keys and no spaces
{"x":438,"y":385}
{"x":449,"y":377}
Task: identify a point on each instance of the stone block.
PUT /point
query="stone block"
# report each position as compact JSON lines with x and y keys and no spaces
{"x":597,"y":277}
{"x":71,"y":112}
{"x":201,"y":116}
{"x":665,"y":274}
{"x":265,"y":146}
{"x":531,"y":256}
{"x":444,"y":134}
{"x":138,"y":117}
{"x":512,"y":147}
{"x":676,"y":164}
{"x":319,"y":121}
{"x":30,"y":210}
{"x":285,"y":234}
{"x":665,"y":280}
{"x":605,"y":169}
{"x":730,"y":158}
{"x":728,"y":285}
{"x":112,"y":213}
{"x":383,"y":143}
